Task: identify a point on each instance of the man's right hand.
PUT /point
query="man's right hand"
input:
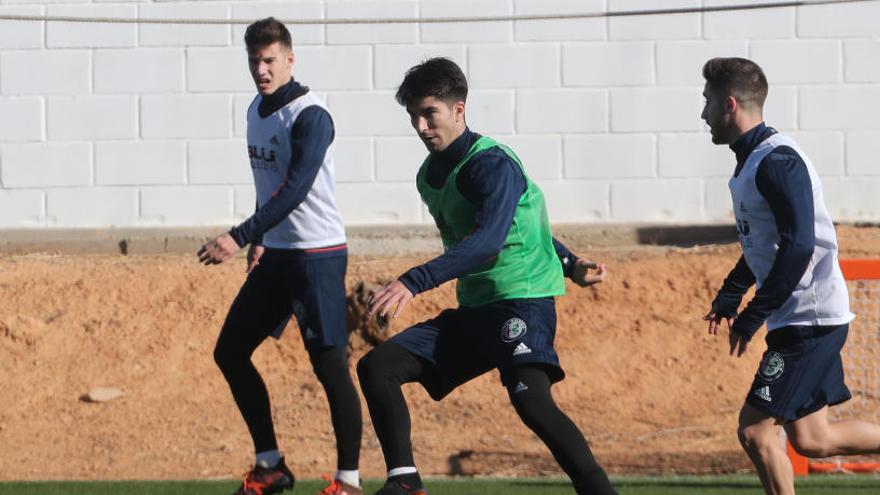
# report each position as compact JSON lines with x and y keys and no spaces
{"x":253,"y":256}
{"x":714,"y":319}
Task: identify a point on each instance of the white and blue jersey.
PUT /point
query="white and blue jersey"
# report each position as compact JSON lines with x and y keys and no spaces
{"x":290,"y":144}
{"x":781,"y":212}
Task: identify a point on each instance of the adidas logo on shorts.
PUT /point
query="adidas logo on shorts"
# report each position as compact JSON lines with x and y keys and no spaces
{"x":763,"y":393}
{"x":521,"y":349}
{"x":520,"y":387}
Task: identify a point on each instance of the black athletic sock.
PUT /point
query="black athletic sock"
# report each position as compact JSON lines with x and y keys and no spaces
{"x":382,"y":372}
{"x":529,"y":390}
{"x":331,"y":368}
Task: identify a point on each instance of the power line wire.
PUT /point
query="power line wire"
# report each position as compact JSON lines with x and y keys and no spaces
{"x":433,"y":20}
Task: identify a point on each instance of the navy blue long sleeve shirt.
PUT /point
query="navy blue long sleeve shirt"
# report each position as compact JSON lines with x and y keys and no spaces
{"x":783,"y":180}
{"x":311,"y":135}
{"x":494,"y":183}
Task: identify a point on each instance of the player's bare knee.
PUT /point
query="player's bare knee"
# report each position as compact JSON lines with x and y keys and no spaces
{"x":755,"y":439}
{"x":809,"y":445}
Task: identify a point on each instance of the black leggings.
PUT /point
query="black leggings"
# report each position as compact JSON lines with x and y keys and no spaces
{"x":233,"y":355}
{"x":388,"y":366}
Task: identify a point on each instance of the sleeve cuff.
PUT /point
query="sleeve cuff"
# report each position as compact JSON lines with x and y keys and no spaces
{"x":238,"y":236}
{"x":407,"y":280}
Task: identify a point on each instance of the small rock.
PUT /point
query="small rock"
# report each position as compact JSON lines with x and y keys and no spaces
{"x":103,"y":394}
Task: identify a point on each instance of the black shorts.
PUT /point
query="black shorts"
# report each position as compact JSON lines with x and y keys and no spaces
{"x":466,"y":342}
{"x":801,"y":372}
{"x":307,"y":285}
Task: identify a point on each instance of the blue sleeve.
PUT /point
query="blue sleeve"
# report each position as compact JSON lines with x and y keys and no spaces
{"x":784,"y":182}
{"x":733,"y":289}
{"x":494,"y":184}
{"x":311,"y":135}
{"x":566,"y":257}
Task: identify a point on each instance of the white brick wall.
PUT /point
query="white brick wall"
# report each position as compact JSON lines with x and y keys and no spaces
{"x":562,"y":30}
{"x":354,"y":159}
{"x":681,"y":62}
{"x":79,"y":35}
{"x":657,"y":200}
{"x":693,"y":155}
{"x":348,"y":34}
{"x":842,"y":20}
{"x":501,"y":66}
{"x":398,"y":159}
{"x":466,"y":32}
{"x":15,"y":35}
{"x":92,"y":117}
{"x":217,"y":70}
{"x":183,"y":34}
{"x":561,"y":110}
{"x":45,"y":72}
{"x":21,"y":208}
{"x":850,"y":107}
{"x":608,"y":64}
{"x":541,"y":155}
{"x":333,"y":67}
{"x":181,"y":206}
{"x":45,"y":165}
{"x":218,"y":161}
{"x":368,"y":114}
{"x":861,"y":153}
{"x":862,"y":60}
{"x":593,"y":203}
{"x":799,"y":61}
{"x":610,"y":156}
{"x":491,"y":111}
{"x":676,"y":27}
{"x":655,"y":109}
{"x":147,"y":70}
{"x":92,"y":207}
{"x":778,"y":23}
{"x":144,"y":125}
{"x":186,"y":116}
{"x":140,"y":163}
{"x":21,"y":119}
{"x":392,"y":61}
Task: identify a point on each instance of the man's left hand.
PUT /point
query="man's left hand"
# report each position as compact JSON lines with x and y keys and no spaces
{"x":394,"y":296}
{"x":219,"y":250}
{"x":581,"y":273}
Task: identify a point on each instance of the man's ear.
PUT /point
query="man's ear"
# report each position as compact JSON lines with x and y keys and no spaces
{"x":458,"y":110}
{"x":730,"y":104}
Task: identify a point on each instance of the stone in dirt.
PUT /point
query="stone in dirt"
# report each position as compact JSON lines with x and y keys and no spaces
{"x":103,"y":394}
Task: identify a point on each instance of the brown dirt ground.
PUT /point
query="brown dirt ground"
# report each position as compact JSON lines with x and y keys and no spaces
{"x":652,"y":392}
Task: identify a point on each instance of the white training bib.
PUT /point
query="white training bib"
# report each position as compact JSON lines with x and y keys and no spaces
{"x":820,"y":297}
{"x":316,"y":222}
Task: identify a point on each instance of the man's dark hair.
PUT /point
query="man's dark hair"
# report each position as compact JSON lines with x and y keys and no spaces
{"x":438,"y":77}
{"x":265,"y":32}
{"x":737,"y":77}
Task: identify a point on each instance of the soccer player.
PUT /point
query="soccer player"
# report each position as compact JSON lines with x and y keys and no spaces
{"x":497,"y":242}
{"x":296,"y":262}
{"x":790,"y":251}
